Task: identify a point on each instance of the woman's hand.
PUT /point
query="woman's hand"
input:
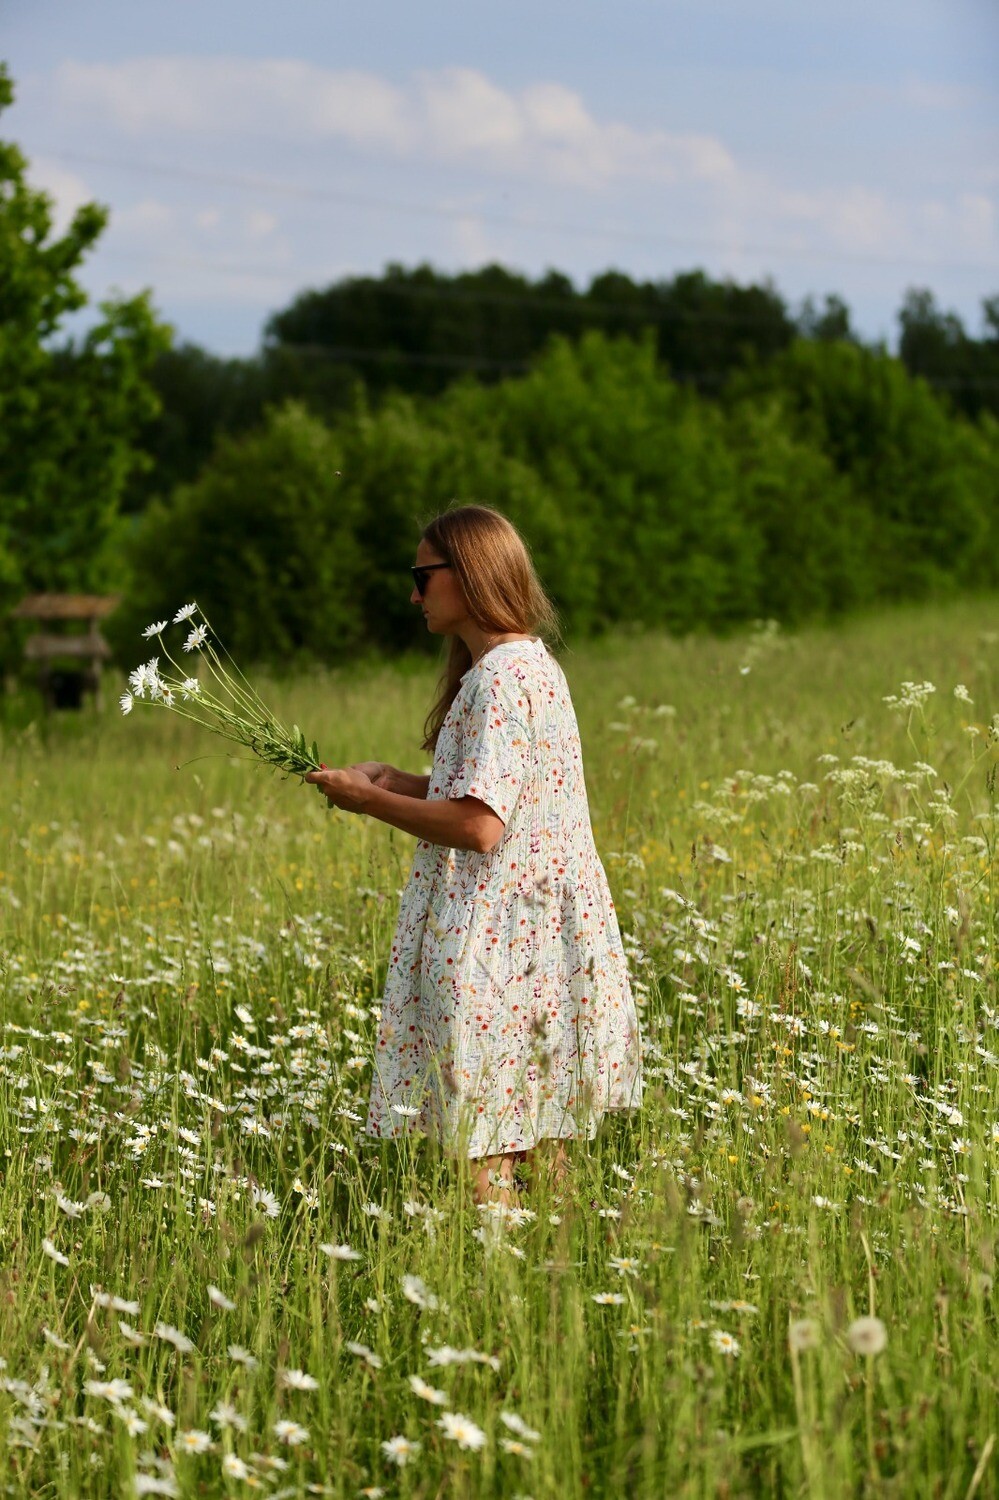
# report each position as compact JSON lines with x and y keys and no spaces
{"x":378,"y":772}
{"x":348,"y":788}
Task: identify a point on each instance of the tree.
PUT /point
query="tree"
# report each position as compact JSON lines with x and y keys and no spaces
{"x":264,"y":541}
{"x":69,"y":413}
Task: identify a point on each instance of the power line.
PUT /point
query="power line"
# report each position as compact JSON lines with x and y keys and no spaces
{"x":426,"y":210}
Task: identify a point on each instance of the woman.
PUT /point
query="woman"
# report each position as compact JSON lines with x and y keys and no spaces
{"x":508,"y":1019}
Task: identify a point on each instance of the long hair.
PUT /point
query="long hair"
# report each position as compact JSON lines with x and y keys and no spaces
{"x":502,"y":590}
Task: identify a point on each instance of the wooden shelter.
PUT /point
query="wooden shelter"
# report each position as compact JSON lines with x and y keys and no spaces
{"x":68,"y":660}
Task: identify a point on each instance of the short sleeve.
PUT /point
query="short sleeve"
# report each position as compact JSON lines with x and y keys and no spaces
{"x":495,"y":744}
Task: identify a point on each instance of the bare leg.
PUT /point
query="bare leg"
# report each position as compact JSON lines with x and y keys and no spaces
{"x":548,"y":1161}
{"x":488,"y":1192}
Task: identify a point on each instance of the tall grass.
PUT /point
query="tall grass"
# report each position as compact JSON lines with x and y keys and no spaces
{"x":192,"y":954}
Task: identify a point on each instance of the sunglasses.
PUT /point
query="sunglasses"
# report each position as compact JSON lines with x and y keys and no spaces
{"x":421,"y":575}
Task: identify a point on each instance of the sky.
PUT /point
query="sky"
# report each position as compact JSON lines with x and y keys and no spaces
{"x":248,"y":151}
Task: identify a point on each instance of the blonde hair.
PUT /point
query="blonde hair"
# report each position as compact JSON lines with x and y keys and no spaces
{"x":503,"y":592}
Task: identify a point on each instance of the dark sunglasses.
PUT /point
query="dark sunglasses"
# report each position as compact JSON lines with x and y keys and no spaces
{"x":421,"y":576}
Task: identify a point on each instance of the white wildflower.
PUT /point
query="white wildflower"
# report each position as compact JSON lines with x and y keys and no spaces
{"x":427,"y":1392}
{"x":867,"y":1335}
{"x":399,"y":1450}
{"x":461,"y":1430}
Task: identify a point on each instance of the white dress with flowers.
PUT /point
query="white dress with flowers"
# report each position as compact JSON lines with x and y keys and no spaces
{"x":508,"y":1016}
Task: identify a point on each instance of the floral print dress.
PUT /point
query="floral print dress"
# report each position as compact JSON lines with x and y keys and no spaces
{"x":508,"y":1016}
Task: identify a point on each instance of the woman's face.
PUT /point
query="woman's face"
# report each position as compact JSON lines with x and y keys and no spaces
{"x":443,"y":601}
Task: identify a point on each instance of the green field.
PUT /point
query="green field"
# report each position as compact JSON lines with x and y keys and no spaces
{"x":191,"y":956}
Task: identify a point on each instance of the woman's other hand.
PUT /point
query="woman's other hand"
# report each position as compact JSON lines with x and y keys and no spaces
{"x":378,"y":772}
{"x":348,"y":788}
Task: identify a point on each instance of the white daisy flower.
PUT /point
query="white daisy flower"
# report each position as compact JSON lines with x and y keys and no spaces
{"x":235,"y":1467}
{"x":399,"y":1450}
{"x":190,"y":686}
{"x":241,"y":1356}
{"x":340,"y":1252}
{"x":461,"y":1430}
{"x":519,"y":1426}
{"x":155,"y":629}
{"x":173,"y":1336}
{"x":197,"y":638}
{"x":184,"y":613}
{"x":194,"y":1441}
{"x":427,"y":1392}
{"x":53,"y":1254}
{"x":127,"y":703}
{"x":298,"y":1380}
{"x":290,"y":1433}
{"x":219,"y":1299}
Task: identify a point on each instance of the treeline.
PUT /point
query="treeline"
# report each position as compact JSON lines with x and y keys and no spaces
{"x":819,"y":479}
{"x":416,"y":331}
{"x":685,"y":453}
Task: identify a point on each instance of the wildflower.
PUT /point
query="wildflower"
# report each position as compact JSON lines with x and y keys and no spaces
{"x":724,"y":1342}
{"x":155,"y":629}
{"x":54,"y":1339}
{"x":803,"y":1334}
{"x":219,"y":1299}
{"x":625,"y":1265}
{"x":519,"y":1450}
{"x":225,"y":1415}
{"x":363,"y":1352}
{"x":290,"y":1433}
{"x":519,"y":1426}
{"x":399,"y":1450}
{"x":54,"y":1254}
{"x":608,"y":1299}
{"x":298,"y":1380}
{"x":127,"y":703}
{"x":152,"y":1484}
{"x":415,"y":1289}
{"x":234,"y":1467}
{"x":461,"y":1430}
{"x":267,"y":1201}
{"x":109,"y":1390}
{"x":173,"y":1336}
{"x":340,"y":1252}
{"x":962,"y":693}
{"x":427,"y":1392}
{"x":134,"y":1425}
{"x":241,"y":1356}
{"x":197,"y":638}
{"x":184,"y":613}
{"x":161,"y":1413}
{"x":867,"y":1336}
{"x":194,"y":1441}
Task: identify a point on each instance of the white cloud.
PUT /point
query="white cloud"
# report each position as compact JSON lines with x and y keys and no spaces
{"x":455,"y":114}
{"x":67,"y":191}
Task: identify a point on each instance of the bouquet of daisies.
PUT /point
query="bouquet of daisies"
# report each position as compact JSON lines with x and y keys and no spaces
{"x":225,"y":703}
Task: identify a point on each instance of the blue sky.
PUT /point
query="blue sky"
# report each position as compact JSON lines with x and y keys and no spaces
{"x":248,"y":150}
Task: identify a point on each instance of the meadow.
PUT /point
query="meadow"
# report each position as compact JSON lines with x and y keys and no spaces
{"x":776,"y":1279}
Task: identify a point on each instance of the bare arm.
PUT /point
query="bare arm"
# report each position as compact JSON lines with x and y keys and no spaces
{"x":456,"y":822}
{"x":379,"y":773}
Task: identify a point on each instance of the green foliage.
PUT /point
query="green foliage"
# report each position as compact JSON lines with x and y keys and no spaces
{"x":265,"y":541}
{"x":68,"y":414}
{"x":920,"y":484}
{"x":826,"y":481}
